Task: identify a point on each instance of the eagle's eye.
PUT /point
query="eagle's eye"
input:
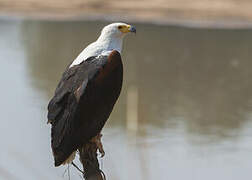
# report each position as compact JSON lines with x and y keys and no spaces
{"x":120,"y":27}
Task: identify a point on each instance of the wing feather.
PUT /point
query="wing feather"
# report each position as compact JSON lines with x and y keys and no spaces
{"x":71,"y":80}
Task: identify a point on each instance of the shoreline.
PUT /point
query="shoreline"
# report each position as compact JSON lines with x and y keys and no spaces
{"x":186,"y":22}
{"x":208,"y":14}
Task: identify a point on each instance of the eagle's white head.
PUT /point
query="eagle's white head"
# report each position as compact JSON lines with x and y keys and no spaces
{"x":111,"y":38}
{"x":116,"y":31}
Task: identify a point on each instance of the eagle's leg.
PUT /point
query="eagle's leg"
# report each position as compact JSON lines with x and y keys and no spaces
{"x":97,"y":141}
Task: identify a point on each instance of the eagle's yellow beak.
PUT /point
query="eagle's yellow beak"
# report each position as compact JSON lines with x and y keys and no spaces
{"x":127,"y":28}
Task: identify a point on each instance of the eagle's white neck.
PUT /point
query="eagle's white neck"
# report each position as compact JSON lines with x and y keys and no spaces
{"x":106,"y":43}
{"x":111,"y":42}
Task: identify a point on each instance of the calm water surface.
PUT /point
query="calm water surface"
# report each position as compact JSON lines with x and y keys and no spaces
{"x":185,"y":111}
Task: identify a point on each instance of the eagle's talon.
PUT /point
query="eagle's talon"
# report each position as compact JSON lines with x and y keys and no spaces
{"x":102,"y":153}
{"x":98,"y":143}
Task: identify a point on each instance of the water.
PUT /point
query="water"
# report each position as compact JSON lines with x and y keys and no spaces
{"x":185,"y":111}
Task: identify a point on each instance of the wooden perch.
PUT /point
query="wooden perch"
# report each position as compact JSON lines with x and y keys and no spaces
{"x":88,"y":158}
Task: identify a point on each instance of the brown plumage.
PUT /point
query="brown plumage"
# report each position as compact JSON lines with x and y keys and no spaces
{"x":82,"y":103}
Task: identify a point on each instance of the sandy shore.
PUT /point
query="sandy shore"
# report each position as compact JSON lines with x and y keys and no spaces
{"x":223,"y":13}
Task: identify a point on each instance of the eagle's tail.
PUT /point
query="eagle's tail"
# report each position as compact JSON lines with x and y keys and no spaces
{"x":59,"y":159}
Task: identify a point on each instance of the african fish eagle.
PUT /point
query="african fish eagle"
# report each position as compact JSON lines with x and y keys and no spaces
{"x":86,"y":94}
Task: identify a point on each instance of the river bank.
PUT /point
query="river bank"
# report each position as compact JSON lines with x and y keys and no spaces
{"x":202,"y":13}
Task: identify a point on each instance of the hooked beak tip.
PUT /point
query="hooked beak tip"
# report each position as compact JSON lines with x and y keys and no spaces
{"x":132,"y":29}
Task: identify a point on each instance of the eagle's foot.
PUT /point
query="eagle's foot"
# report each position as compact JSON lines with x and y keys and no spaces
{"x":97,"y":141}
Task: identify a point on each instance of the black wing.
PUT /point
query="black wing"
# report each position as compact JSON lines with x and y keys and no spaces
{"x":83,"y":102}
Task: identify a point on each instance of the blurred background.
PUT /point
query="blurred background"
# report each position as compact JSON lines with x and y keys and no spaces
{"x":185,"y":111}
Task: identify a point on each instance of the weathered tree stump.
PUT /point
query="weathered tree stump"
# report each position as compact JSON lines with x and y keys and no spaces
{"x":90,"y":163}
